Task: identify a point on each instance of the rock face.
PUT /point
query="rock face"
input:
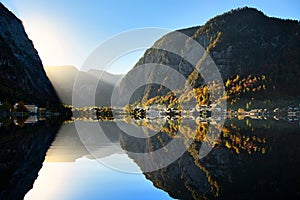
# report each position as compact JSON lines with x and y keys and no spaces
{"x":241,"y":42}
{"x":22,"y":74}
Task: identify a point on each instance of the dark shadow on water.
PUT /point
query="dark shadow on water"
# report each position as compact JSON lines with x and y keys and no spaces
{"x":253,"y":159}
{"x":22,"y":152}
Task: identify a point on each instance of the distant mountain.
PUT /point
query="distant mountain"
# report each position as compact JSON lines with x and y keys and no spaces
{"x":64,"y":77}
{"x":22,"y":75}
{"x":241,"y":42}
{"x":105,"y":76}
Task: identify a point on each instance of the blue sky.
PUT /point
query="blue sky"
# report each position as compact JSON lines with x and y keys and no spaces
{"x":65,"y":32}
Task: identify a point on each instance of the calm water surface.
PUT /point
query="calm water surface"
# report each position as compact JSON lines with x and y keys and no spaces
{"x":251,"y":159}
{"x":69,"y":172}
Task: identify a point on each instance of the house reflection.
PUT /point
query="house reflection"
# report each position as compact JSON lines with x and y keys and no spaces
{"x":27,"y":120}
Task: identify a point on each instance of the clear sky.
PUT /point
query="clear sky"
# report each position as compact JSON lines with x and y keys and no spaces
{"x":65,"y":32}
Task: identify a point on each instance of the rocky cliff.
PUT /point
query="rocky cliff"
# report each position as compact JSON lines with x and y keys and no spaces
{"x":241,"y":42}
{"x":22,"y":74}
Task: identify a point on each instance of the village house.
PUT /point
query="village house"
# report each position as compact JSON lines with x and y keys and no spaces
{"x":33,"y":109}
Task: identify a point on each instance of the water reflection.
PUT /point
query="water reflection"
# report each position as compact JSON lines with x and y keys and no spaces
{"x":251,"y":159}
{"x":75,"y":174}
{"x":68,"y":147}
{"x":255,"y":156}
{"x":22,"y":151}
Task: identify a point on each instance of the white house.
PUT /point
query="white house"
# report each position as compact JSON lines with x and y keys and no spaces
{"x":32,"y":108}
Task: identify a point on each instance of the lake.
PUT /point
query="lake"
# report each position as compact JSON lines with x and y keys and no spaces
{"x":250,"y":158}
{"x":68,"y":173}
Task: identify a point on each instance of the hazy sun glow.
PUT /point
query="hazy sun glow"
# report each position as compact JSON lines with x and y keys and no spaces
{"x":46,"y":40}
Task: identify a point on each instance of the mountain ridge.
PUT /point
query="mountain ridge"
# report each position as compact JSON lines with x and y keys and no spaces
{"x":246,"y":42}
{"x":22,"y":74}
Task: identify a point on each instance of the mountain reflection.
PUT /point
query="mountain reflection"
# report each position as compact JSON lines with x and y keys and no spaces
{"x":251,"y":159}
{"x":253,"y":156}
{"x":68,"y":147}
{"x":21,"y":155}
{"x":250,"y":149}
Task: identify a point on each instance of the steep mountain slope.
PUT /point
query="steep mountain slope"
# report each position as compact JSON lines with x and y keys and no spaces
{"x":64,"y":77}
{"x":241,"y":42}
{"x":22,"y":74}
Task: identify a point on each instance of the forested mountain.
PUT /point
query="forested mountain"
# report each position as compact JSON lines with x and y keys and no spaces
{"x":241,"y":42}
